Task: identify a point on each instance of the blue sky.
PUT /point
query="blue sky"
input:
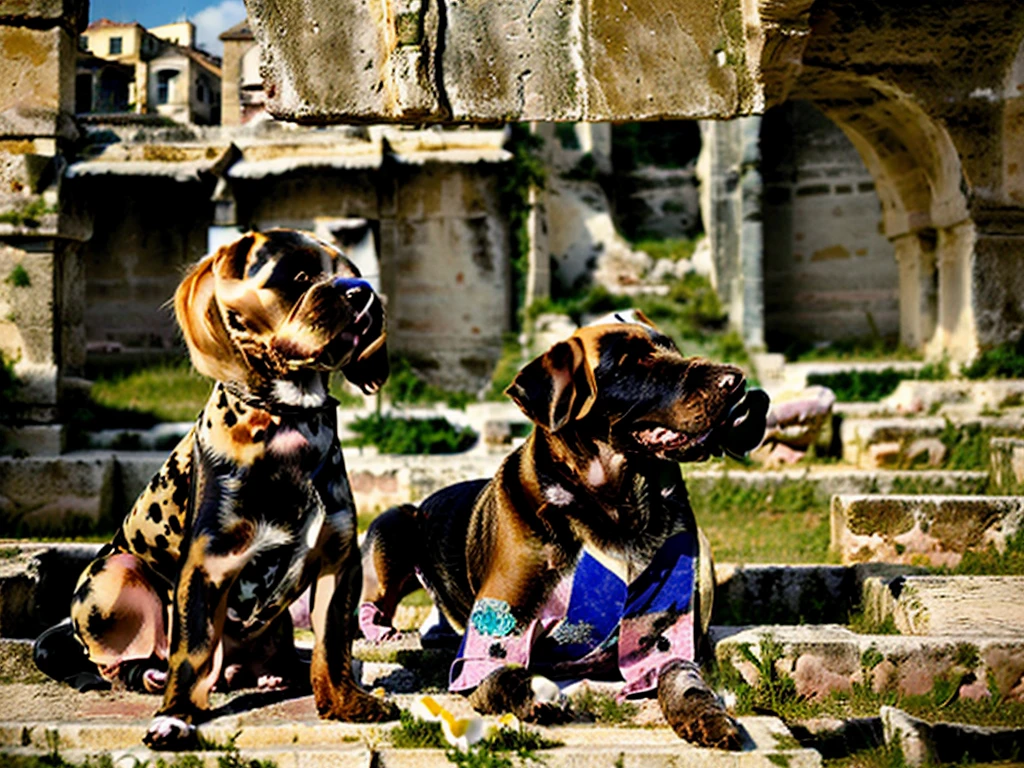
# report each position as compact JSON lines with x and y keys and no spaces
{"x":211,"y":17}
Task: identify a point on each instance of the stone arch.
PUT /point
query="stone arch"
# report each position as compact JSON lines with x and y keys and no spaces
{"x":829,"y":270}
{"x":925,"y":201}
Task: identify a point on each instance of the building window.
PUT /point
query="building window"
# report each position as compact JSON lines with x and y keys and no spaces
{"x":200,"y":91}
{"x":83,"y":43}
{"x":115,"y":46}
{"x":164,"y":81}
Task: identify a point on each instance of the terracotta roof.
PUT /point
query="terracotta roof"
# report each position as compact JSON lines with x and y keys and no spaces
{"x":241,"y":31}
{"x":101,"y":23}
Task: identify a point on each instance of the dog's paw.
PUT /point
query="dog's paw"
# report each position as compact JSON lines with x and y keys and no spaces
{"x":168,"y":732}
{"x":693,"y":710}
{"x":358,"y":707}
{"x":531,"y":698}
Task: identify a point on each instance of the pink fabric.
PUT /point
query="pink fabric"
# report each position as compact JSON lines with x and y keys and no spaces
{"x":640,"y":667}
{"x":374,"y":625}
{"x":482,"y":654}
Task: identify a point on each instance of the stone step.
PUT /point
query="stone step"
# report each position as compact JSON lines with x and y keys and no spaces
{"x":921,"y":530}
{"x":88,"y":491}
{"x":318,"y":743}
{"x":795,"y":594}
{"x":37,"y":580}
{"x":826,"y":658}
{"x":912,"y":396}
{"x":894,"y":442}
{"x":967,"y":606}
{"x":36,"y":583}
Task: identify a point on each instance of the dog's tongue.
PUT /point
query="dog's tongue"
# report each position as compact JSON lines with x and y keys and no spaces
{"x":745,"y":428}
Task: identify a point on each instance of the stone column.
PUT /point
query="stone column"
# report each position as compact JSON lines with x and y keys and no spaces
{"x":538,"y":274}
{"x":915,"y":255}
{"x":731,"y":206}
{"x":42,"y":288}
{"x":997,"y":277}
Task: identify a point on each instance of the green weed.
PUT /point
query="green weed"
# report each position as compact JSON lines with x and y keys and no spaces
{"x":508,"y":366}
{"x":405,"y":386}
{"x":860,"y":624}
{"x":603,"y":708}
{"x":672,"y":248}
{"x":29,"y":215}
{"x":864,"y":349}
{"x":1005,"y":361}
{"x":18,"y":277}
{"x":872,"y":386}
{"x":414,"y":733}
{"x":992,"y":562}
{"x":410,"y":436}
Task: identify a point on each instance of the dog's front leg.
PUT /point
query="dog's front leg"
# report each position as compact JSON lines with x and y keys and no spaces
{"x":335,"y":690}
{"x":196,"y":652}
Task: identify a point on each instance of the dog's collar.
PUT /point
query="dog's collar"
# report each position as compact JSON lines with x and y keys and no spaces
{"x":274,"y":407}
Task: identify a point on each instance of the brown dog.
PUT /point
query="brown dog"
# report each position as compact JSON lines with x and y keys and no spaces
{"x":581,"y":558}
{"x":254,"y":504}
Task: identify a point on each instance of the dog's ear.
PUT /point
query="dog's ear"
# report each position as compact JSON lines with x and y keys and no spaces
{"x":556,"y":388}
{"x":209,"y":343}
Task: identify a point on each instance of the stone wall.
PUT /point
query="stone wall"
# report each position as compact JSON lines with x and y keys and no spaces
{"x":829,"y":271}
{"x":40,"y":271}
{"x":441,"y":240}
{"x":446,"y":271}
{"x":147,"y":231}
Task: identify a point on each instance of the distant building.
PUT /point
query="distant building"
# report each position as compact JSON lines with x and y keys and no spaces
{"x":123,"y":67}
{"x":243,"y":95}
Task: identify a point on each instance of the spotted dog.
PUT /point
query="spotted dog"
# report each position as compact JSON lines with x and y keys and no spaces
{"x":581,"y":558}
{"x":252,"y":507}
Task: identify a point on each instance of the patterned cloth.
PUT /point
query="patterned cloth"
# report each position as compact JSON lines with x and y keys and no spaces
{"x":593,"y":624}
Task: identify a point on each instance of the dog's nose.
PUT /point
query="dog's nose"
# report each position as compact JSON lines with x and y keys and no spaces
{"x":351,"y":284}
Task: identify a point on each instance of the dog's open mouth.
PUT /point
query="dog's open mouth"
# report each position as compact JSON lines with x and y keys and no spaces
{"x":663,"y":439}
{"x":738,"y":431}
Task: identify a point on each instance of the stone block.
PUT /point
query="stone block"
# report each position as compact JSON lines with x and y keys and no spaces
{"x":923,"y":743}
{"x":837,"y":658}
{"x":1006,"y":456}
{"x":66,"y":495}
{"x":33,"y":440}
{"x":873,"y":442}
{"x":784,"y":594}
{"x":37,"y":67}
{"x":16,"y":664}
{"x":949,"y":605}
{"x":499,"y":61}
{"x":36,"y":584}
{"x":921,"y":530}
{"x":71,"y":14}
{"x":27,"y":307}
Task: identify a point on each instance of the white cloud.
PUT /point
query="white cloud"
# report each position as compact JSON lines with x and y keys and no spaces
{"x":213,"y":20}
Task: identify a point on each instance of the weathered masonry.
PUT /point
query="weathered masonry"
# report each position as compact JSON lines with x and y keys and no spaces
{"x":930,"y":94}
